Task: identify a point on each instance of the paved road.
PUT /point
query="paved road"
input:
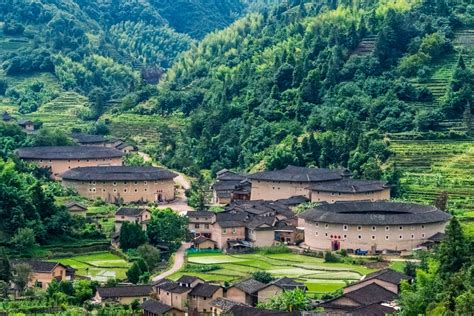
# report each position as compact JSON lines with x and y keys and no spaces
{"x":177,"y":264}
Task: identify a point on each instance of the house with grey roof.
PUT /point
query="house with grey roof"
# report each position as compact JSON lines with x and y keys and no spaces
{"x":89,"y":139}
{"x":153,"y":307}
{"x":277,"y":287}
{"x":360,"y":298}
{"x":125,"y":184}
{"x":123,"y":294}
{"x":386,"y":278}
{"x":138,"y":215}
{"x":245,"y":291}
{"x":44,"y":272}
{"x":230,"y":186}
{"x":201,"y":296}
{"x":76,"y":208}
{"x":371,"y":226}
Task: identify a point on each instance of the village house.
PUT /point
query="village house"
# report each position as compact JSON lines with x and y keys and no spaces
{"x":200,"y":223}
{"x":64,"y":158}
{"x":76,"y":208}
{"x":44,"y":272}
{"x":201,"y":296}
{"x":371,"y":297}
{"x":277,"y":287}
{"x":349,"y":190}
{"x":6,"y":117}
{"x":230,"y":186}
{"x":175,"y":294}
{"x":371,"y":226}
{"x":386,"y":278}
{"x":137,"y":215}
{"x":122,"y":184}
{"x":123,"y":294}
{"x":153,"y":307}
{"x":202,"y":242}
{"x":291,"y":181}
{"x":227,"y":228}
{"x":245,"y":291}
{"x":27,"y":125}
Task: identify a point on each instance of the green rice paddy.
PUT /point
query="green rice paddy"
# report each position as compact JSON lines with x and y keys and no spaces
{"x":320,"y":277}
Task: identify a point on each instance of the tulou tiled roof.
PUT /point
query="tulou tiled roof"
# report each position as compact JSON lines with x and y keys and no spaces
{"x":88,"y":138}
{"x":118,"y":173}
{"x":68,"y":152}
{"x":299,"y":174}
{"x":375,"y":213}
{"x":350,"y":186}
{"x":172,"y":287}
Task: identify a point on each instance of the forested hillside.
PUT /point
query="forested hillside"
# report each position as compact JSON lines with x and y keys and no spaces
{"x":324,"y":83}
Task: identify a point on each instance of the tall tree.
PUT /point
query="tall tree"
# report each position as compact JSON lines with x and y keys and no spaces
{"x":453,"y":251}
{"x":168,"y":228}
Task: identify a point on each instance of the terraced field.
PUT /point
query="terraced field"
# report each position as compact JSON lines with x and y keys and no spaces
{"x":99,"y":266}
{"x":142,"y":129}
{"x":366,"y":46}
{"x":320,"y":277}
{"x":63,"y":111}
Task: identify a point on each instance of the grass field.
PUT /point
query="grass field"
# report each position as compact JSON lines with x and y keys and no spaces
{"x":98,"y":266}
{"x":320,"y":277}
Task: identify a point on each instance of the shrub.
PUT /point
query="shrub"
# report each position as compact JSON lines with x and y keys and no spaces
{"x":262,"y":276}
{"x":274,"y":250}
{"x":331,"y":257}
{"x":201,"y":267}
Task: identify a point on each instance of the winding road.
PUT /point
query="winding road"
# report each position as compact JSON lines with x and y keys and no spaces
{"x":177,"y":264}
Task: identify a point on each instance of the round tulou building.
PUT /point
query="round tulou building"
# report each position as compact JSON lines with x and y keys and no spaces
{"x":371,"y":226}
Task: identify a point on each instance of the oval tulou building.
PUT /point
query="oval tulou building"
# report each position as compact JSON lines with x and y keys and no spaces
{"x":122,"y":184}
{"x":371,"y":226}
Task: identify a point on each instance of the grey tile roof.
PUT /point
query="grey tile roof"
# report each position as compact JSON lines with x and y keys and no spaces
{"x":68,"y":152}
{"x":130,"y":211}
{"x":224,"y":303}
{"x":349,"y":186}
{"x":205,"y":290}
{"x":228,"y":220}
{"x":288,"y":284}
{"x":200,"y":239}
{"x":118,"y":173}
{"x":249,"y":286}
{"x":375,"y":213}
{"x":227,"y":175}
{"x":88,"y":138}
{"x":294,"y":200}
{"x":172,"y":287}
{"x":155,"y":307}
{"x":298,"y":174}
{"x":387,"y":275}
{"x":188,"y":279}
{"x":124,"y":291}
{"x":74,"y":203}
{"x":38,"y":265}
{"x":196,"y":214}
{"x":261,"y":223}
{"x":370,"y":294}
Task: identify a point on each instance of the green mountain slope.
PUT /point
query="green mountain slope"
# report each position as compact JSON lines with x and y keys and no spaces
{"x":325,"y":84}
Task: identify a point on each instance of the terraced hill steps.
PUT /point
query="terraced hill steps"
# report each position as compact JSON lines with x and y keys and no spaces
{"x":433,"y":166}
{"x":63,"y":111}
{"x":366,"y":46}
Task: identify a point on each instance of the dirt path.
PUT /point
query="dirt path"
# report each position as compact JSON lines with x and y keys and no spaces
{"x":177,"y":264}
{"x":180,"y":205}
